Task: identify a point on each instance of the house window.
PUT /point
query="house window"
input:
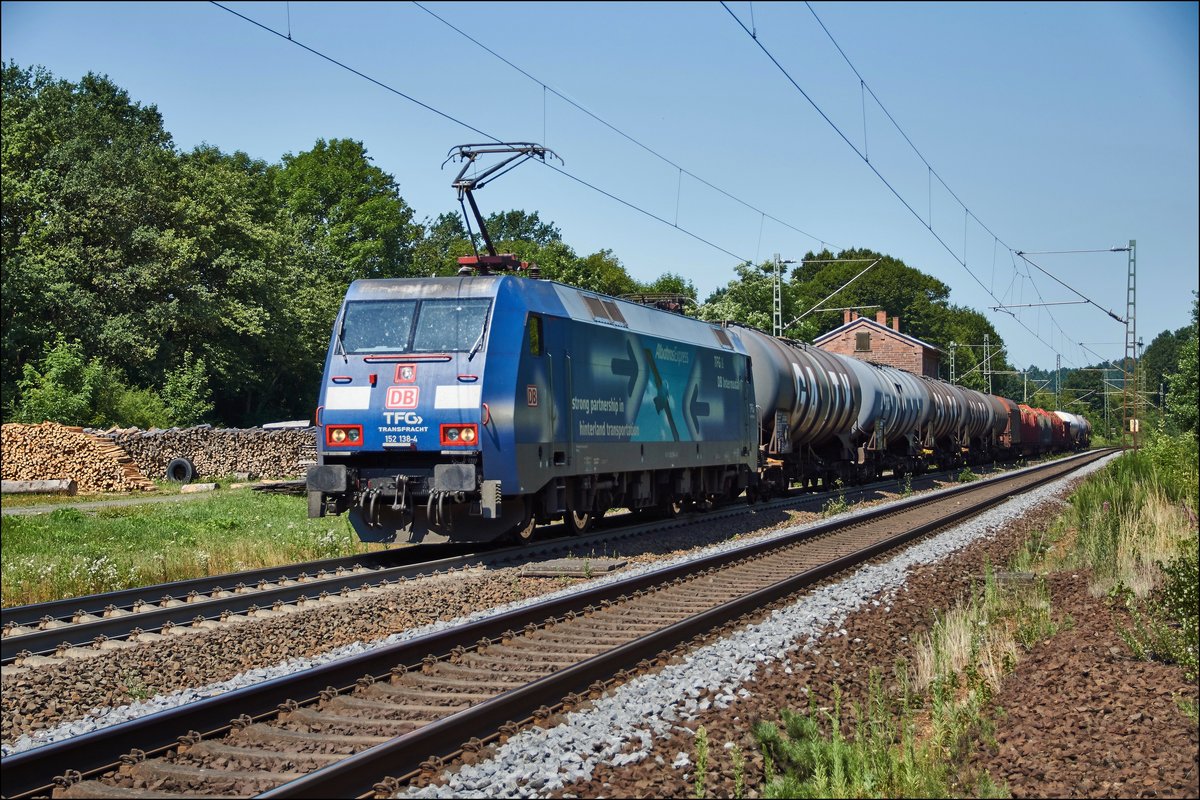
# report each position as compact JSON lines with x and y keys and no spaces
{"x":862,"y":342}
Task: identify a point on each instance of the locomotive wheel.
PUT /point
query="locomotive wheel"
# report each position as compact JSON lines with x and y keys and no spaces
{"x":524,"y":532}
{"x":579,"y":522}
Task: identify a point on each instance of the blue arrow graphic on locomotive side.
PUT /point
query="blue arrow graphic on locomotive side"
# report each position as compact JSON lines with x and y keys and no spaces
{"x":627,"y":367}
{"x":696,"y":408}
{"x":662,"y":399}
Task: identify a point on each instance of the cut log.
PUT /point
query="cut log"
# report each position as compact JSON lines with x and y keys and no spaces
{"x":68,"y":487}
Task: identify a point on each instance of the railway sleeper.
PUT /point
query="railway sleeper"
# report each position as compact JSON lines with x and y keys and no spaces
{"x":496,"y":652}
{"x":334,"y":744}
{"x":605,"y":628}
{"x":399,"y":690}
{"x":575,"y":646}
{"x":531,"y":652}
{"x":165,"y":775}
{"x":670,"y":607}
{"x":427,"y":680}
{"x":284,"y":758}
{"x":328,"y":722}
{"x":486,"y":676}
{"x":392,"y":710}
{"x":96,"y":789}
{"x":627,"y":619}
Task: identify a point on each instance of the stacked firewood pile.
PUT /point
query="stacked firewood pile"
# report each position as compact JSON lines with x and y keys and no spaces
{"x":50,"y":451}
{"x":250,"y":452}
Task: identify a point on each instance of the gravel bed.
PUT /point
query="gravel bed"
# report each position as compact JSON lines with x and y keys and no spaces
{"x":59,"y":701}
{"x":621,"y":728}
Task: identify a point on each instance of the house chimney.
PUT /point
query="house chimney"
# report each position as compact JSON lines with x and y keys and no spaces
{"x":881,"y":317}
{"x":853,"y":316}
{"x":846,"y":317}
{"x":896,"y":324}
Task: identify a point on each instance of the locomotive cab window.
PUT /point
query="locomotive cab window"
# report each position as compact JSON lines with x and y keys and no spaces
{"x":452,"y":325}
{"x":533,"y":331}
{"x":862,"y":342}
{"x":374,"y":326}
{"x":402,"y":326}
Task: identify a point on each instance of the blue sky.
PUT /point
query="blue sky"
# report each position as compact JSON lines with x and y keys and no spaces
{"x":1059,"y":126}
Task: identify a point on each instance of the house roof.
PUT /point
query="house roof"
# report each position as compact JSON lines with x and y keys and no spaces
{"x":845,"y":326}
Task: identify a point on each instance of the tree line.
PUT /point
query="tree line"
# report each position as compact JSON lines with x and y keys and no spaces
{"x":146,"y":285}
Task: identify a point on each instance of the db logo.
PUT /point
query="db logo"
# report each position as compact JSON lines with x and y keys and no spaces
{"x":402,"y":396}
{"x":531,"y":395}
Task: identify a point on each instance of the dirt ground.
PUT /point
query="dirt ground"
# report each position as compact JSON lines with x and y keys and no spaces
{"x":1080,"y":717}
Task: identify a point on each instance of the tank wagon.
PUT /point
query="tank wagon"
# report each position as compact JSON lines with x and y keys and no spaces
{"x":479,"y":406}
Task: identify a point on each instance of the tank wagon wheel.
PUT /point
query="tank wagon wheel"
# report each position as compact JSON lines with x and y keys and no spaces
{"x":670,"y":509}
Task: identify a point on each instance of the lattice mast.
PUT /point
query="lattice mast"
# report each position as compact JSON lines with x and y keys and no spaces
{"x":1129,"y":383}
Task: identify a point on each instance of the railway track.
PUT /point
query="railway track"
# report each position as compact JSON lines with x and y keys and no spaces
{"x":390,"y":715}
{"x":34,"y":635}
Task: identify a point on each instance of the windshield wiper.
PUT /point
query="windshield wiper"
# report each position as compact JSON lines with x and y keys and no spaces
{"x":340,"y":345}
{"x":478,"y":342}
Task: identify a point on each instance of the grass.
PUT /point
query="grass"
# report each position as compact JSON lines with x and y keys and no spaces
{"x":67,"y":553}
{"x":907,"y":742}
{"x":836,"y":505}
{"x":164,"y":488}
{"x":882,"y":755}
{"x":1133,"y":525}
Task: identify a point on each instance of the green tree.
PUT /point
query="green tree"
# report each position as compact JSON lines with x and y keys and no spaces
{"x":1182,"y":395}
{"x":64,"y":388}
{"x":441,"y":243}
{"x":186,"y":391}
{"x":671,"y":283}
{"x":747,"y":299}
{"x":337,"y":196}
{"x":87,"y":186}
{"x":1160,"y":357}
{"x":521,"y":226}
{"x":600,"y":272}
{"x":69,"y":388}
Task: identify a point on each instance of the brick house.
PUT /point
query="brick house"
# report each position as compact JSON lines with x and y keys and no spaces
{"x":872,"y":340}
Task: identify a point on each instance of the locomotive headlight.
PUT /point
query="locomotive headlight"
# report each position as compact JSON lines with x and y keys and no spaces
{"x":343,"y":435}
{"x":459,"y":435}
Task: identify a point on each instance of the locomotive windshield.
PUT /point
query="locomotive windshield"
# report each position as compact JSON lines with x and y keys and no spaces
{"x":402,"y":326}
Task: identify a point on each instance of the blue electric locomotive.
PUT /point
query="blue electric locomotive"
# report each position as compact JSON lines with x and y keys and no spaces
{"x":473,"y":407}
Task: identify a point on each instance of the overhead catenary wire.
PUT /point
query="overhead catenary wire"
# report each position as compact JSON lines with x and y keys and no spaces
{"x":835,"y":291}
{"x":468,"y":126}
{"x":967,"y":212}
{"x":1025,"y":257}
{"x":862,"y":155}
{"x":627,"y":203}
{"x":628,"y":137}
